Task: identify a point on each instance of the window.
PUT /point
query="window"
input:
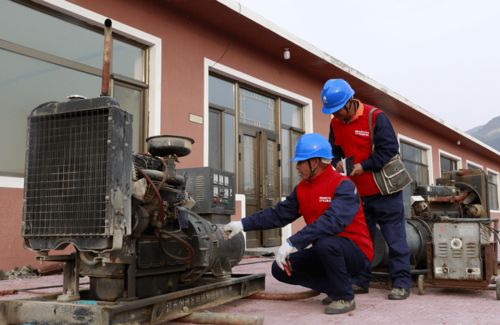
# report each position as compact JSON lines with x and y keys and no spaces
{"x":493,"y":190}
{"x":131,"y":99}
{"x":291,"y":130}
{"x":472,"y":165}
{"x":59,"y":58}
{"x":222,"y":136}
{"x":416,"y":162}
{"x":229,"y":99}
{"x":256,"y":109}
{"x":447,"y":164}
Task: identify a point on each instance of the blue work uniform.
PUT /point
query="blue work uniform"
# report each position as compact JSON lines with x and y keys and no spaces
{"x":354,"y":139}
{"x":340,"y":243}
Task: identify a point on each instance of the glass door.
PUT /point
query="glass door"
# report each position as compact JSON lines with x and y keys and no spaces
{"x":259,"y":179}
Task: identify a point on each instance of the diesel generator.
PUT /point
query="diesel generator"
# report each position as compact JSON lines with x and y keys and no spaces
{"x":453,"y":241}
{"x":136,"y":230}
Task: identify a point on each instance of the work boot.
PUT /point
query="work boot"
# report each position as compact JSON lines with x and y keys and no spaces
{"x":359,"y":289}
{"x":399,"y":294}
{"x":340,"y":306}
{"x":326,"y":301}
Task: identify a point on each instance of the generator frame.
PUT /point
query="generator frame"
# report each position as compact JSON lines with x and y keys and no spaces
{"x":489,"y":253}
{"x":154,"y":310}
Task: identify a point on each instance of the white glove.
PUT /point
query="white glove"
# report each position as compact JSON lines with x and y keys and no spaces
{"x":283,"y":252}
{"x":233,"y":228}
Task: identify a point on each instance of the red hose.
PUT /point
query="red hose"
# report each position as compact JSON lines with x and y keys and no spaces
{"x":284,"y":295}
{"x":157,"y":194}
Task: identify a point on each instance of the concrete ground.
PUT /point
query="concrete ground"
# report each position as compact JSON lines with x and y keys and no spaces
{"x":436,"y":306}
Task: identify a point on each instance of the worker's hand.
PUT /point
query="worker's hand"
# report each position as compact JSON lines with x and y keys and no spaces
{"x":357,"y":170}
{"x":339,"y":167}
{"x":232,"y":229}
{"x":282,"y":254}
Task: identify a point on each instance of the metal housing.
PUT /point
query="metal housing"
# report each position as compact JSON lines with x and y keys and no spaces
{"x":77,"y":184}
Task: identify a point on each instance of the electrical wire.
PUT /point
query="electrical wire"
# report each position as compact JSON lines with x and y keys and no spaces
{"x":495,"y":232}
{"x":32,"y":289}
{"x":162,"y":234}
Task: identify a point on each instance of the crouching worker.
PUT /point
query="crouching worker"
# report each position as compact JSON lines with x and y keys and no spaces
{"x":335,"y":244}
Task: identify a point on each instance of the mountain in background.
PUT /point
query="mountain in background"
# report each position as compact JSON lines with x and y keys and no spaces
{"x":488,"y":133}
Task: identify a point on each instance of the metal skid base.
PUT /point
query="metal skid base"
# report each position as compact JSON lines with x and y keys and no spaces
{"x":490,"y":279}
{"x":210,"y":292}
{"x":425,"y":277}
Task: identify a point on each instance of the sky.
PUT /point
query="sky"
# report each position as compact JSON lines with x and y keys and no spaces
{"x":442,"y":55}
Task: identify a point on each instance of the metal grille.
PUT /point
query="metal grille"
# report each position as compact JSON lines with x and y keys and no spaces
{"x":457,"y":253}
{"x":442,"y":250}
{"x":66,"y":176}
{"x":471,"y":250}
{"x":199,"y":196}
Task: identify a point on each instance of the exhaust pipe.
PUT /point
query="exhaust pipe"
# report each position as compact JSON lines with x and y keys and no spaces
{"x":106,"y":64}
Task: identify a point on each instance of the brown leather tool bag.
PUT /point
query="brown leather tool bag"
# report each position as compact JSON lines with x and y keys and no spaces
{"x":393,"y":177}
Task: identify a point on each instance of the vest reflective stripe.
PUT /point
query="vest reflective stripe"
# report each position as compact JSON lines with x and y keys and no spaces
{"x":355,"y":140}
{"x":315,"y":197}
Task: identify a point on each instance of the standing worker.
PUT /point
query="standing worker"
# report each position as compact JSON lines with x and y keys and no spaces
{"x":336,"y":231}
{"x":350,"y":136}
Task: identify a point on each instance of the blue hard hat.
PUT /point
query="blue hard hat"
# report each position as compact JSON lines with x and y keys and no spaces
{"x":312,"y":145}
{"x":335,"y":94}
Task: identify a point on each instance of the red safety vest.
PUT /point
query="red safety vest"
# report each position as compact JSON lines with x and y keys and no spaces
{"x":355,"y":140}
{"x":315,"y":197}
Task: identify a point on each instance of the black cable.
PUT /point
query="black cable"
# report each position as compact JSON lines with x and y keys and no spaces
{"x":190,"y":250}
{"x":46,"y":287}
{"x":495,"y":232}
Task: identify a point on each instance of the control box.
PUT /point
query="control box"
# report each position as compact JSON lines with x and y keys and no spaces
{"x":212,"y":189}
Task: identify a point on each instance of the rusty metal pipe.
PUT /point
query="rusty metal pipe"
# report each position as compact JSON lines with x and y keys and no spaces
{"x":450,"y":199}
{"x":284,"y":295}
{"x":106,"y":61}
{"x":207,"y":317}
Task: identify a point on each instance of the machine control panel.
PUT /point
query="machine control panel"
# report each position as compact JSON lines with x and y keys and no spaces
{"x":212,"y":189}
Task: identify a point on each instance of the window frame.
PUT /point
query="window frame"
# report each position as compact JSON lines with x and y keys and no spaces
{"x":450,"y":156}
{"x":292,"y":130}
{"x":222,"y":115}
{"x":497,"y":174}
{"x":275,"y":132}
{"x":223,"y":112}
{"x":428,"y":150}
{"x":473,"y":164}
{"x":260,"y":92}
{"x":253,"y":84}
{"x":88,"y":19}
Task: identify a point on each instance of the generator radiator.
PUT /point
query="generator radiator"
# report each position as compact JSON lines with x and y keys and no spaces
{"x":77,"y":182}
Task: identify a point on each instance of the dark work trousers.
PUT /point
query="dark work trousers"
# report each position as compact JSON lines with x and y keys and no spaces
{"x":326,"y":267}
{"x":388,"y":212}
